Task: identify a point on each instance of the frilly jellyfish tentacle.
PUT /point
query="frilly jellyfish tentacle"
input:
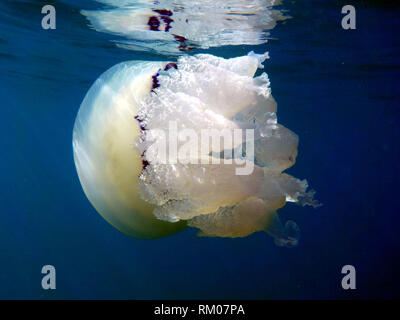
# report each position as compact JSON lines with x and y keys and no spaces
{"x":284,"y":236}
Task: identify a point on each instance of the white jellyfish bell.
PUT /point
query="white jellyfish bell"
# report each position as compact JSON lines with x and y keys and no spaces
{"x":123,"y":117}
{"x":108,"y":165}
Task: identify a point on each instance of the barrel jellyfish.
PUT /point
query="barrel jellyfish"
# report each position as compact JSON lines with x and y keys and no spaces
{"x":174,"y":27}
{"x":127,"y":110}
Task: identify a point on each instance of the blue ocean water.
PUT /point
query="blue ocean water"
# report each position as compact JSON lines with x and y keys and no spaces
{"x":337,"y":89}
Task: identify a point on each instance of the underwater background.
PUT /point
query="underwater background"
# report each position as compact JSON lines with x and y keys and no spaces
{"x":337,"y":89}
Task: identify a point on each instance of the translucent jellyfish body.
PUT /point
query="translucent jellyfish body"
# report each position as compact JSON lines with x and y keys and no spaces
{"x":228,"y":189}
{"x":178,"y":26}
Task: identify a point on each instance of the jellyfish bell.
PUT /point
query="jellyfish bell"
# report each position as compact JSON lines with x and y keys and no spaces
{"x":107,"y":163}
{"x":126,"y":110}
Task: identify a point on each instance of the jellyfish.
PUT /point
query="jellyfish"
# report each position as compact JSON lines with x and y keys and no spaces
{"x":139,"y":113}
{"x":172,"y":27}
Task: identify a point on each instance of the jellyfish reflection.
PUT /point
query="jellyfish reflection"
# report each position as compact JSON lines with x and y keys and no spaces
{"x":179,"y":26}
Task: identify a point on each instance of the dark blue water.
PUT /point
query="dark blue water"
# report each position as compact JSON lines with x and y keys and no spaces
{"x":337,"y":89}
